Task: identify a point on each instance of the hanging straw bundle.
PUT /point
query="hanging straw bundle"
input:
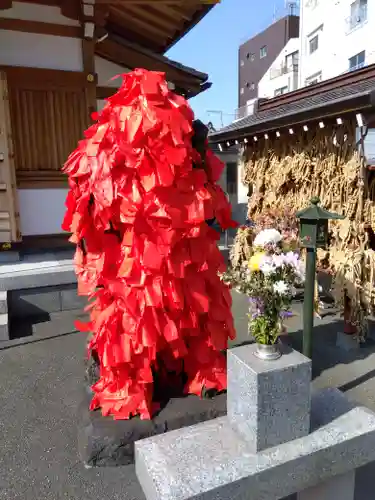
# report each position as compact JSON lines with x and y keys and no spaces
{"x":287,"y":173}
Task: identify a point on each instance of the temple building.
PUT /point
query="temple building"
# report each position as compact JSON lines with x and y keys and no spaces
{"x":58,"y":60}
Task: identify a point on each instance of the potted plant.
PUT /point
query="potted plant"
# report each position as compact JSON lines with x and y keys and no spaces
{"x":269,"y":279}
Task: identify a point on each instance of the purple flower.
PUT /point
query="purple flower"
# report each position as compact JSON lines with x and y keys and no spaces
{"x":256,"y":307}
{"x":286,"y":314}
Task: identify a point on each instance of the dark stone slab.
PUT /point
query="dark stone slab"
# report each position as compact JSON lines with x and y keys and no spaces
{"x":103,"y":441}
{"x":9,"y":257}
{"x":33,"y":302}
{"x":70,"y":300}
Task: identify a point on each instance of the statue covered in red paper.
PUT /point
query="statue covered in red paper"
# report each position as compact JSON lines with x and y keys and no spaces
{"x":142,"y":188}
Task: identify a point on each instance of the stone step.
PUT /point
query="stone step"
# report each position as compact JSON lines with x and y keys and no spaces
{"x":219,"y":463}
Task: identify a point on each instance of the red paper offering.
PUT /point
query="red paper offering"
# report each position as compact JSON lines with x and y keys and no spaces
{"x":140,"y":195}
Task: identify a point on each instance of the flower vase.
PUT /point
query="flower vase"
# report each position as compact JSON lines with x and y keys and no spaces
{"x":267,"y":352}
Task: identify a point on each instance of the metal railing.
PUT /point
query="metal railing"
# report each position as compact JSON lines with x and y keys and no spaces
{"x":357,"y":19}
{"x":283,"y":70}
{"x":243,"y":111}
{"x":357,"y":66}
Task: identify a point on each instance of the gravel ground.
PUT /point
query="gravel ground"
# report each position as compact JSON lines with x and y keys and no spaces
{"x":40,"y":388}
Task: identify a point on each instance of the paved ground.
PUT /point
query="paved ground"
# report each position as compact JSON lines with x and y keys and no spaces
{"x":40,"y":387}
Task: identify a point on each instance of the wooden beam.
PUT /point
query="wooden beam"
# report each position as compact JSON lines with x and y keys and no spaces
{"x":5,"y":4}
{"x":105,"y":92}
{"x":133,"y":21}
{"x":41,"y":179}
{"x":41,"y":78}
{"x":88,"y":59}
{"x":152,"y":15}
{"x":44,"y":242}
{"x":156,"y":3}
{"x":40,"y":28}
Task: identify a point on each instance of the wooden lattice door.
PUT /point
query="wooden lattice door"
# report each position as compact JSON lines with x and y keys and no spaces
{"x":9,"y":213}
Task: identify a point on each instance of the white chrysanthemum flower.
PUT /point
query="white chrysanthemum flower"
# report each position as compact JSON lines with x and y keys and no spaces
{"x":281,"y":288}
{"x":267,"y":266}
{"x":267,"y":237}
{"x":278,"y":260}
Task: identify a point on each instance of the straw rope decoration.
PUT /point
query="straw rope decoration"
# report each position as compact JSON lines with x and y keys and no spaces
{"x":286,"y":174}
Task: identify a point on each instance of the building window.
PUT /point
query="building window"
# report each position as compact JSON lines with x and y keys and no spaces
{"x":358,"y":14}
{"x":291,"y":61}
{"x":232,"y":178}
{"x":357,"y":61}
{"x":242,"y":90}
{"x":250,"y":85}
{"x":313,"y":79}
{"x":263,"y":52}
{"x":314,"y":44}
{"x":250,"y":56}
{"x":280,"y":91}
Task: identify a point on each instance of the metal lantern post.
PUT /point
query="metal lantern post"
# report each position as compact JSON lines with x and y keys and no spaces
{"x":313,"y":235}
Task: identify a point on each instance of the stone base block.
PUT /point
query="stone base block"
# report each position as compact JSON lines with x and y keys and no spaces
{"x":103,"y":441}
{"x":269,"y":401}
{"x":340,"y":487}
{"x":211,"y":461}
{"x":346,"y":342}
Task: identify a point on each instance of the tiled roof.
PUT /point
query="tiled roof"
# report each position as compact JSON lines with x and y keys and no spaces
{"x":273,"y":117}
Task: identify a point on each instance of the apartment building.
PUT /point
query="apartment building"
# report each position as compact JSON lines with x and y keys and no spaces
{"x":257,"y":54}
{"x":336,"y":36}
{"x":282,"y":76}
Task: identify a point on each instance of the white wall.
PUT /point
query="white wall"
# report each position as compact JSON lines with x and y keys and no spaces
{"x":41,"y":210}
{"x":32,"y":50}
{"x":35,"y":12}
{"x":337,"y":43}
{"x":39,"y":51}
{"x":269,"y":83}
{"x":106,"y":71}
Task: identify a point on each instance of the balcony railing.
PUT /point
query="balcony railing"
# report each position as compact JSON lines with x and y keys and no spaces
{"x":283,"y":70}
{"x":357,"y":19}
{"x":241,"y":112}
{"x":358,"y":66}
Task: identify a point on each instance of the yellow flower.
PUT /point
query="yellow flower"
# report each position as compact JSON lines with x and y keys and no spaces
{"x":255,"y":261}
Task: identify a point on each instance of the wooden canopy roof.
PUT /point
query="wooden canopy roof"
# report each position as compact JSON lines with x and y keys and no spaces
{"x":153,"y":24}
{"x":156,"y":24}
{"x":352,"y":92}
{"x":188,"y":81}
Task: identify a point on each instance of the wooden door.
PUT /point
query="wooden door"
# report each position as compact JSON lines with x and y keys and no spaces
{"x":9,"y":212}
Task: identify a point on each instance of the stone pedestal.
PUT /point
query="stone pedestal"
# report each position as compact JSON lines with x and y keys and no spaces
{"x":340,"y":487}
{"x":268,"y":402}
{"x":312,"y":453}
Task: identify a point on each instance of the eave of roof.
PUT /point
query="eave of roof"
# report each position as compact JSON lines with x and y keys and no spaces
{"x":344,"y":94}
{"x":196,"y":18}
{"x":130,"y":55}
{"x":203,"y":77}
{"x":156,"y":25}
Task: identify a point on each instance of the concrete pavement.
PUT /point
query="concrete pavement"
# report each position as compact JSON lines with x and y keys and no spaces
{"x":40,"y":386}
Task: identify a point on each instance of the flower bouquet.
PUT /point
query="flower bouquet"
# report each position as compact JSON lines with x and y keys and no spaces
{"x":269,"y":279}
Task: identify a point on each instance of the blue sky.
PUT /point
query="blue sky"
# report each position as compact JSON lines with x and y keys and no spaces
{"x":212,"y":47}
